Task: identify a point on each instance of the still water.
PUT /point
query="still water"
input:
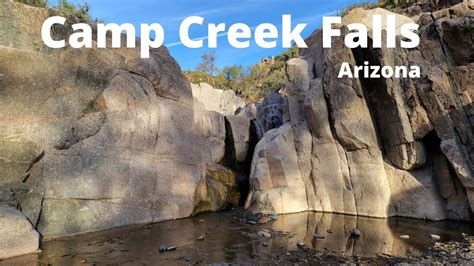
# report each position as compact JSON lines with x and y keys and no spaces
{"x":227,"y":240}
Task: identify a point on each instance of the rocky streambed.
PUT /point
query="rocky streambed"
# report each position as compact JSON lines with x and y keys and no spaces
{"x":224,"y":237}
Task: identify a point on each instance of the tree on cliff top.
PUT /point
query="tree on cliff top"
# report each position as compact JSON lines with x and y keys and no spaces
{"x":208,"y":64}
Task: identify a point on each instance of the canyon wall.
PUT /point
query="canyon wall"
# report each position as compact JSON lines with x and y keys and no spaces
{"x":376,"y":147}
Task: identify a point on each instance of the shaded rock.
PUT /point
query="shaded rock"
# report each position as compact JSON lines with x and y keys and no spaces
{"x":273,"y":112}
{"x":240,"y":127}
{"x":414,"y":194}
{"x":7,"y":197}
{"x":30,"y":201}
{"x":18,"y":236}
{"x":300,"y":243}
{"x":264,"y":234}
{"x":355,"y":232}
{"x":218,"y":191}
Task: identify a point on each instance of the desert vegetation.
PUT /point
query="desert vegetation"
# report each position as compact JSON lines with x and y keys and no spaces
{"x":250,"y":82}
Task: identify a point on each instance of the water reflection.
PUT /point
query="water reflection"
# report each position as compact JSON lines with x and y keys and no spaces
{"x":323,"y":231}
{"x":228,"y":240}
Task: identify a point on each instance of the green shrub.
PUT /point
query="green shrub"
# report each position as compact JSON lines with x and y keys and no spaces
{"x":37,"y":3}
{"x":252,"y":83}
{"x":81,"y":12}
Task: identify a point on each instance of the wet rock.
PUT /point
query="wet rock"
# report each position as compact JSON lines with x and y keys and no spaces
{"x":7,"y":197}
{"x":264,"y":234}
{"x":240,"y":127}
{"x":435,"y":237}
{"x":273,"y":112}
{"x":355,"y":232}
{"x":200,"y":238}
{"x":405,"y":237}
{"x":219,"y":190}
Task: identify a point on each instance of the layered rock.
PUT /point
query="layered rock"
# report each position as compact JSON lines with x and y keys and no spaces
{"x":380,"y":147}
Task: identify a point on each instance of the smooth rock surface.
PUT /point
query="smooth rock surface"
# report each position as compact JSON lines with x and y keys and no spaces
{"x":381,"y":147}
{"x":222,"y":101}
{"x":18,"y":237}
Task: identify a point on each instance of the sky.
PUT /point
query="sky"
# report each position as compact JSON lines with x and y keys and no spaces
{"x":170,"y":13}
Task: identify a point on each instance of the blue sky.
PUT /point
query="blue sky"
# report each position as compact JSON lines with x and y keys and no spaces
{"x":251,"y":12}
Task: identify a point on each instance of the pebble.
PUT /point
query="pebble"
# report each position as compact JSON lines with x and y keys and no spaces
{"x":300,"y":243}
{"x":435,"y":237}
{"x":264,"y":244}
{"x":264,"y":234}
{"x":185,"y":258}
{"x":164,"y":248}
{"x":251,"y":222}
{"x":200,"y":238}
{"x":355,"y":232}
{"x":405,"y":237}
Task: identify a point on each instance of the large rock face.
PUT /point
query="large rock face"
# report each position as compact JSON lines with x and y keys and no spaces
{"x":377,"y":147}
{"x":105,"y":137}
